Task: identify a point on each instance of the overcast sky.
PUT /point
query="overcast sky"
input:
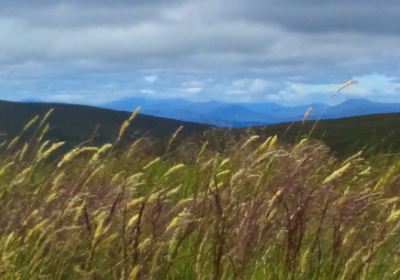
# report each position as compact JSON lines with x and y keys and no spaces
{"x":289,"y":52}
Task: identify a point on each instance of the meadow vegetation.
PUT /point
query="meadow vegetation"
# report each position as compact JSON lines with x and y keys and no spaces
{"x":256,"y":209}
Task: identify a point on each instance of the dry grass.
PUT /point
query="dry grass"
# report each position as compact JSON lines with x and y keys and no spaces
{"x":255,"y":210}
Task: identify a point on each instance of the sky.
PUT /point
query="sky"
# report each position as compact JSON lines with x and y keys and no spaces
{"x":287,"y":52}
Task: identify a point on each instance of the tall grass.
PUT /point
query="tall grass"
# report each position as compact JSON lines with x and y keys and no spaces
{"x":255,"y":210}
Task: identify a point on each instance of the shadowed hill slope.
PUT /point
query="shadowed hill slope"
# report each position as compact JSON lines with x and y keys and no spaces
{"x":76,"y":123}
{"x":380,"y":132}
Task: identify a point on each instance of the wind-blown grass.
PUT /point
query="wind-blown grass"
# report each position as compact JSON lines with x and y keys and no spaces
{"x":255,"y":210}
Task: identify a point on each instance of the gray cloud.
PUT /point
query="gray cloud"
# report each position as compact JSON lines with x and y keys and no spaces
{"x":301,"y":41}
{"x":370,"y":16}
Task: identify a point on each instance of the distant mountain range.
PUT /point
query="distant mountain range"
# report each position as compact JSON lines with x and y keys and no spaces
{"x":249,"y":114}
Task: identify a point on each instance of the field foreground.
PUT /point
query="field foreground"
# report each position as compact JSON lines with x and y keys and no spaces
{"x":256,"y":210}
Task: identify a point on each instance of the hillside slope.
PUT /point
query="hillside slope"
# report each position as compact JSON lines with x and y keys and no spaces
{"x":76,"y":123}
{"x":379,"y":132}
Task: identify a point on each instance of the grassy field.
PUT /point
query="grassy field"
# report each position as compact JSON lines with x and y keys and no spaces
{"x":256,"y":209}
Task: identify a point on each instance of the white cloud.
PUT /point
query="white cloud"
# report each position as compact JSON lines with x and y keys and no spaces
{"x":374,"y":87}
{"x":147,"y":91}
{"x":151,"y":78}
{"x":192,"y":87}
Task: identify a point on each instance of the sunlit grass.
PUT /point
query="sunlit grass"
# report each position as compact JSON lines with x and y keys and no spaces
{"x":255,"y":210}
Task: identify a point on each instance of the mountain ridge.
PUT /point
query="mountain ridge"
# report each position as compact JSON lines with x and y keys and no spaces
{"x":222,"y":114}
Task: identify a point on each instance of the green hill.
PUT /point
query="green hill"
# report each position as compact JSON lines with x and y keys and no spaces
{"x":343,"y":136}
{"x":77,"y":123}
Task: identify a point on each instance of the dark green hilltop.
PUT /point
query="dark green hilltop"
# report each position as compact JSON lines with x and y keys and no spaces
{"x":77,"y":123}
{"x":371,"y":133}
